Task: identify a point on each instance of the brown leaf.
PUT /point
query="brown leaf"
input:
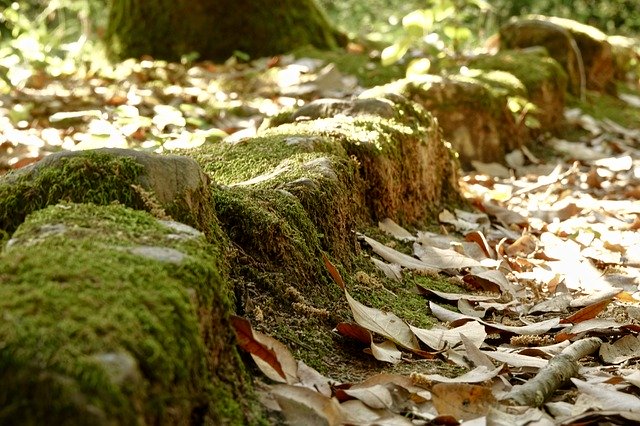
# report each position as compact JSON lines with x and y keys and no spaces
{"x":385,"y":324}
{"x":462,"y":401}
{"x":354,"y":331}
{"x":335,"y":274}
{"x":303,"y":406}
{"x":479,"y":238}
{"x":586,"y":313}
{"x":247,"y":341}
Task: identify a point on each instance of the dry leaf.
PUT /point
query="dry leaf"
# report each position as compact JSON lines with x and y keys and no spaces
{"x":385,"y":324}
{"x":303,"y":406}
{"x":516,"y":360}
{"x":390,"y":270}
{"x":477,"y":375}
{"x":438,"y":339}
{"x":394,"y":256}
{"x":333,"y":271}
{"x":386,"y":352}
{"x":479,"y":238}
{"x":586,"y":313}
{"x":396,"y":231}
{"x":609,"y":396}
{"x":623,"y":349}
{"x":443,"y":259}
{"x":271,"y":356}
{"x":462,"y":401}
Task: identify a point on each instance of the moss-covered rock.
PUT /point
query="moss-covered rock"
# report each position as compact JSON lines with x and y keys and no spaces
{"x":582,"y":50}
{"x":474,"y":116}
{"x":408,"y":170}
{"x":167,"y":186}
{"x":111,"y":316}
{"x":544,"y":80}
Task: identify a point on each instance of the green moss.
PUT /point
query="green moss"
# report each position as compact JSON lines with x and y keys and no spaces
{"x":74,"y":294}
{"x":531,"y":68}
{"x":601,"y":106}
{"x":92,"y":178}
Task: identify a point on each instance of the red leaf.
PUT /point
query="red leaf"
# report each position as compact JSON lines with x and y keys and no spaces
{"x":244,"y":334}
{"x":586,"y":313}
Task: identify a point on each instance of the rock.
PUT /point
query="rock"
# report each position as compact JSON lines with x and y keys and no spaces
{"x":100,"y":327}
{"x":544,"y":80}
{"x":582,"y":50}
{"x":474,"y":116}
{"x":162,"y":184}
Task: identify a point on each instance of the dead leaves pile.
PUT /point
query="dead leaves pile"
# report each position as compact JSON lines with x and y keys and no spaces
{"x":155,"y":105}
{"x":550,"y":336}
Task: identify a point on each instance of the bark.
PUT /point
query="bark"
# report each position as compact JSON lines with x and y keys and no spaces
{"x":215,"y":29}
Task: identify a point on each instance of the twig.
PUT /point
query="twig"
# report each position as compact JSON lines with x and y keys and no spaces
{"x":560,"y":368}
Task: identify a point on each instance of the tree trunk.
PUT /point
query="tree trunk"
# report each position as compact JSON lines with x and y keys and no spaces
{"x":215,"y":29}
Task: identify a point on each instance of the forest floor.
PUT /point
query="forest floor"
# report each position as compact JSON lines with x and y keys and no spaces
{"x":558,"y":223}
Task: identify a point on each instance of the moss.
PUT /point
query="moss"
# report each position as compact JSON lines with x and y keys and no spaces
{"x":531,"y":68}
{"x":601,"y":106}
{"x":93,"y":178}
{"x":74,"y":294}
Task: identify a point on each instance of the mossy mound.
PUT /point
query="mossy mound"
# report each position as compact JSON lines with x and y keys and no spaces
{"x":582,"y":50}
{"x":474,"y":116}
{"x":544,"y":80}
{"x":309,"y":170}
{"x":167,"y":186}
{"x":112,"y":316}
{"x":408,"y":171}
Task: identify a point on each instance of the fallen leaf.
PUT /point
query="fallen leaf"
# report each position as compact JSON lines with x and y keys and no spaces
{"x":609,"y":396}
{"x":303,"y":406}
{"x":438,"y":339}
{"x":385,"y":324}
{"x":517,"y":360}
{"x":623,"y":349}
{"x":586,"y":313}
{"x":376,"y":396}
{"x":271,"y":356}
{"x":477,"y":375}
{"x":390,"y":270}
{"x":386,"y":352}
{"x":394,"y":256}
{"x":335,"y":274}
{"x":462,"y":401}
{"x":443,"y":259}
{"x":396,"y":231}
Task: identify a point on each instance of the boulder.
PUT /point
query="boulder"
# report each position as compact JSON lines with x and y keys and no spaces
{"x":582,"y":50}
{"x":166,"y":185}
{"x":474,"y":116}
{"x":112,"y":316}
{"x":544,"y":80}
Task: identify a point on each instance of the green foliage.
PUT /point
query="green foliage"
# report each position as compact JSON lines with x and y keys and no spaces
{"x":443,"y":27}
{"x":53,"y":36}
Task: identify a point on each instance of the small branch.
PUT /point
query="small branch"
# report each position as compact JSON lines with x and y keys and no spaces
{"x":560,"y":369}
